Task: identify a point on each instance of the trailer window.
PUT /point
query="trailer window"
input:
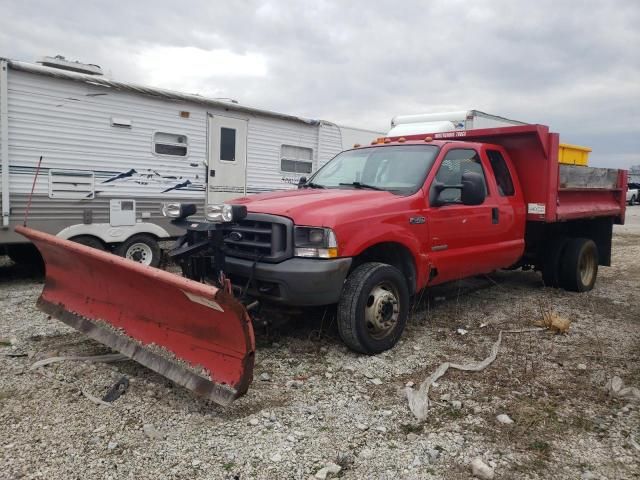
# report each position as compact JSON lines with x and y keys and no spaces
{"x":296,"y":159}
{"x":455,"y":164}
{"x":501,"y":172}
{"x":228,"y":144}
{"x":170,"y":144}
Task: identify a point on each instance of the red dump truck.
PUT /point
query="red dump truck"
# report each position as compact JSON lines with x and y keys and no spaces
{"x":375,"y":225}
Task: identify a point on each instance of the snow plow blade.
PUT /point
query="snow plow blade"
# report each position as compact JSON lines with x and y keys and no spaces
{"x":196,"y":335}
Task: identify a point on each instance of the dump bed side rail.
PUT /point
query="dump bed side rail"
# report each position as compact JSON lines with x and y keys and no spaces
{"x":552,"y":192}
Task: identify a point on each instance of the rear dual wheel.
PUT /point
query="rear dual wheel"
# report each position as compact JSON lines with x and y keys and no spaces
{"x":373,"y":308}
{"x":579,"y":268}
{"x":552,"y":261}
{"x":571,"y":263}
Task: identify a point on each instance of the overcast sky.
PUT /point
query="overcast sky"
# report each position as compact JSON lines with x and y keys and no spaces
{"x":574,"y":65}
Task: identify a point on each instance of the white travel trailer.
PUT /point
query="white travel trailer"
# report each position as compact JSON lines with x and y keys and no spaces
{"x":446,"y":122}
{"x":114,"y":152}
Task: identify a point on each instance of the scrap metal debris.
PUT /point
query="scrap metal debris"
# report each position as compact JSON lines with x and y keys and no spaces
{"x":95,"y":399}
{"x":554,"y":322}
{"x":419,"y":399}
{"x":616,"y":388}
{"x":481,"y":470}
{"x":116,"y":390}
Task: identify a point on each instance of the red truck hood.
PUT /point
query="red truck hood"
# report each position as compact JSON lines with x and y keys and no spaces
{"x":318,"y":207}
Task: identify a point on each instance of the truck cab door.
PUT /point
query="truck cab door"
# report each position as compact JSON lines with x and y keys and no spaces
{"x":463,"y":237}
{"x":510,"y":212}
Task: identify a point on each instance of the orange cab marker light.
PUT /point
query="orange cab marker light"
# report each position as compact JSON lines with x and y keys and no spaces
{"x":356,"y":145}
{"x":402,"y":139}
{"x":387,"y":140}
{"x":428,"y":139}
{"x":380,"y":140}
{"x":374,"y":142}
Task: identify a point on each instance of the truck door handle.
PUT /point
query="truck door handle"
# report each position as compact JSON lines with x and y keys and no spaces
{"x":495,"y":215}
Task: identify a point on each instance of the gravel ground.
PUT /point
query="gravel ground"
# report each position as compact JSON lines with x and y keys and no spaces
{"x":314,"y":403}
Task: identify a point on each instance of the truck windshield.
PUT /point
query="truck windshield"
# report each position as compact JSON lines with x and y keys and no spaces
{"x":400,"y":169}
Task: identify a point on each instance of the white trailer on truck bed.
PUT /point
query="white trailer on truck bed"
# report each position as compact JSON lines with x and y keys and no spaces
{"x":114,"y":152}
{"x":446,"y":122}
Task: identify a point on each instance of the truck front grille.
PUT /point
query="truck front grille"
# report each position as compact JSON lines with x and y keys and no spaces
{"x":267,"y":237}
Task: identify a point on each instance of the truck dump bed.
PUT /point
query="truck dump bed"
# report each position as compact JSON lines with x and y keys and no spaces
{"x":552,"y":192}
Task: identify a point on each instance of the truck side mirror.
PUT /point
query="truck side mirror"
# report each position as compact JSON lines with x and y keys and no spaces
{"x":436,"y":197}
{"x":302,"y":182}
{"x":473,"y":191}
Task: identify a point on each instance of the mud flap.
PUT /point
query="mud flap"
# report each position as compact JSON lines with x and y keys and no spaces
{"x":196,"y":335}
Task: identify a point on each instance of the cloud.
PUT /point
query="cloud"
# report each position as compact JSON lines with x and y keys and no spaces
{"x":164,"y":66}
{"x":571,"y":65}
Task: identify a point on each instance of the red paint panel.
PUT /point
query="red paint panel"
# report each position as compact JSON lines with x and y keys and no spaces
{"x":199,"y":324}
{"x":585,"y":203}
{"x":533,"y":152}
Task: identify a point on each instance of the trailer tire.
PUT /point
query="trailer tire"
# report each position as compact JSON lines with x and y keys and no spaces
{"x":373,"y":308}
{"x":632,"y":200}
{"x":579,"y":267}
{"x":25,"y":254}
{"x":89,"y":241}
{"x":141,"y":248}
{"x":551,"y":262}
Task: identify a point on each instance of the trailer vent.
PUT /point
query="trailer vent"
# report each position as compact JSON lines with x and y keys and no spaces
{"x":72,"y":66}
{"x":71,"y":184}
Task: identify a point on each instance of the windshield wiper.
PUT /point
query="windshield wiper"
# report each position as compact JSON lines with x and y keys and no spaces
{"x":362,"y":185}
{"x":314,"y":185}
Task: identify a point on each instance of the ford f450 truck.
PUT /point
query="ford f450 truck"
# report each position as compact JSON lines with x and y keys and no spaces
{"x":381,"y":222}
{"x":372,"y":227}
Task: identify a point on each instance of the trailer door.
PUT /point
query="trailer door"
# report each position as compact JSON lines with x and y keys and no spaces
{"x":227,"y":158}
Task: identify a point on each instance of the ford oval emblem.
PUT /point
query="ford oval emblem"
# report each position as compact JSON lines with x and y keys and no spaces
{"x":235,"y":236}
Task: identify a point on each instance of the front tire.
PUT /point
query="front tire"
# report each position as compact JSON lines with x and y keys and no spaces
{"x":373,"y":308}
{"x":141,"y":248}
{"x":579,"y":267}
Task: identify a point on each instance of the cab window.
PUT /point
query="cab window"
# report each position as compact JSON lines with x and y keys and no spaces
{"x":501,"y":172}
{"x":456,"y":163}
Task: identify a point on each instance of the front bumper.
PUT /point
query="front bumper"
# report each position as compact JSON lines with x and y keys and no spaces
{"x":295,"y":282}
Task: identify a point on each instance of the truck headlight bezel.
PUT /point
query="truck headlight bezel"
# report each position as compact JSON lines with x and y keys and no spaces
{"x":224,"y":213}
{"x":315,"y":242}
{"x":178,"y":210}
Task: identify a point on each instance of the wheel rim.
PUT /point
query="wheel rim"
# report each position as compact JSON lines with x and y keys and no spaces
{"x":140,"y":252}
{"x":382,"y":310}
{"x":587,"y":268}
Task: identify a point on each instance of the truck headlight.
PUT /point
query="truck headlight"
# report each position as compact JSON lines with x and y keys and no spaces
{"x":223,"y":213}
{"x":178,"y":210}
{"x":315,"y":242}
